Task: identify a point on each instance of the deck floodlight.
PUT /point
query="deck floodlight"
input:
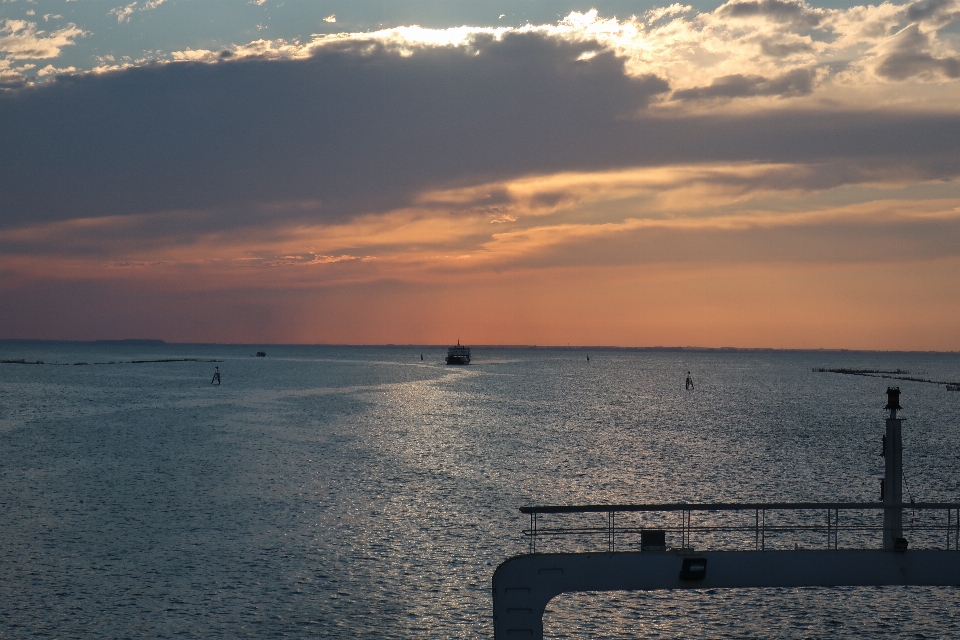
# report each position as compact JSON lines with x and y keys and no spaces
{"x":693,"y":569}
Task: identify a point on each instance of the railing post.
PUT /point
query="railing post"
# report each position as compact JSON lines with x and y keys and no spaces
{"x":756,"y":530}
{"x":828,"y":528}
{"x":763,"y":530}
{"x":836,"y":528}
{"x":533,"y":532}
{"x":683,"y":529}
{"x":609,"y":531}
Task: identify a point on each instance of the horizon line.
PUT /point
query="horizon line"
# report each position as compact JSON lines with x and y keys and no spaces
{"x":729,"y":349}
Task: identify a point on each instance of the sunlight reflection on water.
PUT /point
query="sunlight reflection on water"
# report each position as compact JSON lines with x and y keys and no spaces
{"x":360,"y":492}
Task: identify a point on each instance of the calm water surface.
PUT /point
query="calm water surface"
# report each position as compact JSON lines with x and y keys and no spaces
{"x":333,"y":492}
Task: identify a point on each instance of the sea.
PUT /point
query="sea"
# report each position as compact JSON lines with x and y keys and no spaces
{"x":370,"y":492}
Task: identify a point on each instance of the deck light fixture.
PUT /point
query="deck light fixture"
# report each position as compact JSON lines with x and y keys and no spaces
{"x":693,"y":569}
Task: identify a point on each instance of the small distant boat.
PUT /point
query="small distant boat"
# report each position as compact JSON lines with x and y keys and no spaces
{"x":458,"y":354}
{"x":953,"y":387}
{"x":261,"y":354}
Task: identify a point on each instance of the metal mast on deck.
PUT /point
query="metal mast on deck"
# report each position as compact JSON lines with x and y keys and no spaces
{"x":893,"y":479}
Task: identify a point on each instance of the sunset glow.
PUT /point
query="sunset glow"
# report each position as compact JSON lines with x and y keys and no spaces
{"x":756,"y":174}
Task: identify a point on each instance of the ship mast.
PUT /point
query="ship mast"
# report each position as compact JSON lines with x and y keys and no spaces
{"x":893,"y":478}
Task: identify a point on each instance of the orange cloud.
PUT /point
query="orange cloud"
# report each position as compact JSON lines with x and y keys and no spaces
{"x":718,"y":214}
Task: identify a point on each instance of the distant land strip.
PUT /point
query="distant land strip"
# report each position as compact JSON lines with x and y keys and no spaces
{"x":24,"y":361}
{"x":896,"y":374}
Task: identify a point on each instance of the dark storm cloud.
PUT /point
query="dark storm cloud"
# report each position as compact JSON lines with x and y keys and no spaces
{"x":356,"y":127}
{"x":797,"y":82}
{"x":360,"y":128}
{"x":910,"y":58}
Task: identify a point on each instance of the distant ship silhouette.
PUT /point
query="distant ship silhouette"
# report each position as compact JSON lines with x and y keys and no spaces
{"x":458,"y":354}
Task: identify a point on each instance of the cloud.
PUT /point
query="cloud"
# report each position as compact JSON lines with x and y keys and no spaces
{"x":52,"y":70}
{"x":777,"y":49}
{"x":908,"y":56}
{"x":20,"y":40}
{"x":123,"y":13}
{"x":357,"y":126}
{"x":795,"y":14}
{"x":366,"y":125}
{"x":938,"y":12}
{"x":537,"y":220}
{"x":797,"y":82}
{"x":656,"y":15}
{"x":331,"y":18}
{"x":739,"y":136}
{"x":691,"y":50}
{"x":126,"y":12}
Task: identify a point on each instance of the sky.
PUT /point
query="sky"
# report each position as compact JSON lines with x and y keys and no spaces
{"x":754,"y":173}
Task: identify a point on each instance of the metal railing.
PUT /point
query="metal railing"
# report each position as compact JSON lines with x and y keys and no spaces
{"x":762,"y":526}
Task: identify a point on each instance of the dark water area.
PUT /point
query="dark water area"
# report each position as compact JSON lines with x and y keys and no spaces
{"x":357,"y":492}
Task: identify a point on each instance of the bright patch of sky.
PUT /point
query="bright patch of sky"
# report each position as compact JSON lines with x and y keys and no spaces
{"x":56,"y":35}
